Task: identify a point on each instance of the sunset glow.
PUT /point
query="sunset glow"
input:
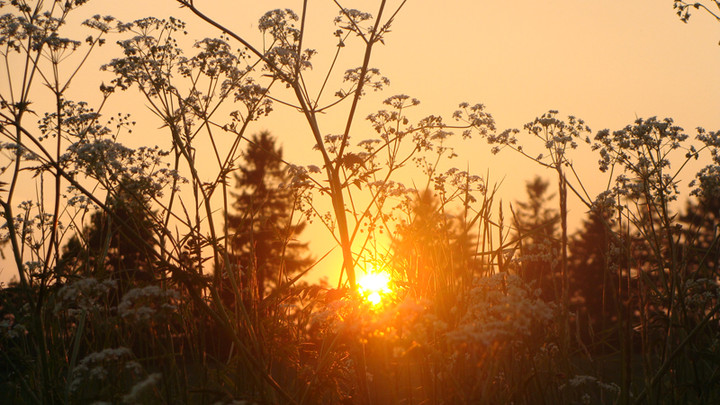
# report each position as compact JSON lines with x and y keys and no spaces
{"x":359,"y":202}
{"x":374,"y":286}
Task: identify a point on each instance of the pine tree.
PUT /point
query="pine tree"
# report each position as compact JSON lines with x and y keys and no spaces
{"x":264,"y":228}
{"x":431,"y":249}
{"x":702,"y":236}
{"x":117,"y":244}
{"x":593,"y":267}
{"x":536,"y":230}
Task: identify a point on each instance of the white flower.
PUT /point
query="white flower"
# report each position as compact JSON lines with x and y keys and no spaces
{"x":137,"y":391}
{"x":144,"y":304}
{"x":83,"y":295}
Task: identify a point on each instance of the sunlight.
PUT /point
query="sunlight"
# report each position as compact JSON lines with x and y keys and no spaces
{"x":373,"y":286}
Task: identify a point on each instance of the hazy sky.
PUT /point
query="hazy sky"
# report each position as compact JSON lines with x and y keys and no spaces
{"x":606,"y":61}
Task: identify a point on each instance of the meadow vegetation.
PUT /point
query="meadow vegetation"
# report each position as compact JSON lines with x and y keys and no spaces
{"x":146,"y":276}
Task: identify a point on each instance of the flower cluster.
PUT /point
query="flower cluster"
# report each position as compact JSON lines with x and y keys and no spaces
{"x":591,"y":387}
{"x":627,"y":146}
{"x":140,"y":171}
{"x":280,"y":24}
{"x":147,"y":56}
{"x":85,"y":295}
{"x":10,"y":329}
{"x":477,"y":118}
{"x":707,"y":183}
{"x":501,"y":310}
{"x":701,"y":293}
{"x":149,"y":303}
{"x":556,"y":135}
{"x":284,"y":56}
{"x":349,"y":20}
{"x":643,"y":153}
{"x":141,"y":388}
{"x":29,"y":226}
{"x":372,"y":79}
{"x":104,"y":374}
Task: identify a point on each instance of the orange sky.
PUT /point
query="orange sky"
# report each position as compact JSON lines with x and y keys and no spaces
{"x":605,"y":61}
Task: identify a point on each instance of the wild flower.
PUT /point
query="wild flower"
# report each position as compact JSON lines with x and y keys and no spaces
{"x":300,"y":180}
{"x":140,"y":172}
{"x":501,"y":310}
{"x":643,"y":152}
{"x":684,"y":9}
{"x":701,"y":293}
{"x":280,"y":24}
{"x":706,"y":183}
{"x":349,"y":21}
{"x":79,"y":201}
{"x":463,"y":185}
{"x":79,"y":122}
{"x":84,"y":295}
{"x":599,"y":389}
{"x":372,"y":78}
{"x":477,"y":118}
{"x":101,"y":22}
{"x":9,"y":329}
{"x":104,"y":375}
{"x":140,"y":390}
{"x":150,"y":303}
{"x":557,"y":137}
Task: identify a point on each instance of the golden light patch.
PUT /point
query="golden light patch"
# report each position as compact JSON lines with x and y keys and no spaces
{"x":374,"y":286}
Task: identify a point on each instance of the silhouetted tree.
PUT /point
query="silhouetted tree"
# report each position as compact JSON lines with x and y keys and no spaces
{"x":593,"y":267}
{"x":702,"y":236}
{"x":432,"y":251}
{"x":536,"y":229}
{"x":264,"y":229}
{"x":118,"y":244}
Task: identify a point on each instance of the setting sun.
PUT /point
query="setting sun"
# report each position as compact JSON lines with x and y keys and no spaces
{"x":374,"y":286}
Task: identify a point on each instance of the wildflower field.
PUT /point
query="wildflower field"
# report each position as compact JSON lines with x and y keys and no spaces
{"x":168,"y":261}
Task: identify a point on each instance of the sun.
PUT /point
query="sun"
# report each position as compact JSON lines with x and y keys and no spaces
{"x":374,"y":286}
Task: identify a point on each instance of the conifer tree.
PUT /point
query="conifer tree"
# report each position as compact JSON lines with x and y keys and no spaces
{"x":702,"y":236}
{"x":117,"y":244}
{"x":536,"y":229}
{"x":431,"y":250}
{"x":594,"y":269}
{"x":264,"y":227}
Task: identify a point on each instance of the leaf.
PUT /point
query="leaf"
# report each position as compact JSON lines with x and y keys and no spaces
{"x":351,"y":159}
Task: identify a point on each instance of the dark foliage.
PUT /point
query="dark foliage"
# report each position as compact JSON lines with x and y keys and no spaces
{"x":536,"y":228}
{"x":119,"y":243}
{"x":264,"y":228}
